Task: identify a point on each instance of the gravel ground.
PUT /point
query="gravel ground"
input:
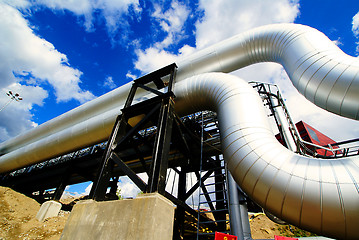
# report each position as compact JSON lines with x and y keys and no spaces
{"x":18,"y":220}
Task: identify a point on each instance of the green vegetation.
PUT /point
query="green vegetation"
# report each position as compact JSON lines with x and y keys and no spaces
{"x":118,"y":193}
{"x":295,"y":232}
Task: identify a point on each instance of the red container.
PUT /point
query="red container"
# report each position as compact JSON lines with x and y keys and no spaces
{"x":224,"y":236}
{"x":284,"y":238}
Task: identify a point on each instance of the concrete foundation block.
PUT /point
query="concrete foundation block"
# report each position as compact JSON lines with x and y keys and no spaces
{"x":149,"y":217}
{"x":48,"y":209}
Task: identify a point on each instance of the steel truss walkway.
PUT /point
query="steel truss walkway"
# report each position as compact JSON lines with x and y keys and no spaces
{"x":150,"y":138}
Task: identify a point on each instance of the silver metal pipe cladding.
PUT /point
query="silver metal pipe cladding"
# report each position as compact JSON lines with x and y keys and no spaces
{"x":315,"y":194}
{"x":316,"y":66}
{"x":318,"y":195}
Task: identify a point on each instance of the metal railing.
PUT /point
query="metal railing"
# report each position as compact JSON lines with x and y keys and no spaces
{"x":336,"y":150}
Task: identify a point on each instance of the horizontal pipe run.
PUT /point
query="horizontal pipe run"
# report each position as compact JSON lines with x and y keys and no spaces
{"x":318,"y":195}
{"x":316,"y":66}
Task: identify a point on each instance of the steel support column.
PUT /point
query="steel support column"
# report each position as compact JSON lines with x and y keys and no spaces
{"x":157,"y":177}
{"x":158,"y":109}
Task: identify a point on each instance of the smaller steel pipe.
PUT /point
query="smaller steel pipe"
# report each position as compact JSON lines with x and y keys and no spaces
{"x":235,"y":218}
{"x":243,"y":208}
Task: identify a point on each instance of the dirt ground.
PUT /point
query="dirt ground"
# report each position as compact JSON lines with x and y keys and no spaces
{"x":263,"y":228}
{"x":18,"y":220}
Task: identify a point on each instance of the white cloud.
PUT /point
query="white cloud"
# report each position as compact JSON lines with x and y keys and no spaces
{"x":88,"y":189}
{"x":31,"y":95}
{"x":355,"y":29}
{"x":17,"y":3}
{"x":111,"y":11}
{"x":225,"y":19}
{"x":338,"y":128}
{"x":79,"y":7}
{"x":109,"y":83}
{"x":16,"y":117}
{"x":29,"y":62}
{"x":338,"y":42}
{"x":128,"y":188}
{"x":355,"y":23}
{"x":220,"y":21}
{"x":71,"y":194}
{"x":172,"y":22}
{"x":241,"y":15}
{"x":153,"y":58}
{"x":24,"y":53}
{"x":131,"y":76}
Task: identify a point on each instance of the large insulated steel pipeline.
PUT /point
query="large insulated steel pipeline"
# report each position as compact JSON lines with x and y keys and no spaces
{"x":318,"y":69}
{"x":319,"y":195}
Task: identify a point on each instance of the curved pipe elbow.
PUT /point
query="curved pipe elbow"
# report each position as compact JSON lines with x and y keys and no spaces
{"x":316,"y":66}
{"x":319,"y":195}
{"x":318,"y":69}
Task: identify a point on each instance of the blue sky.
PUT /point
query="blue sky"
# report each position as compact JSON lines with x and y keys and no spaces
{"x":59,"y":54}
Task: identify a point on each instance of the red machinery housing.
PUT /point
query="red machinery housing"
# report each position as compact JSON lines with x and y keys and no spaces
{"x":312,"y":135}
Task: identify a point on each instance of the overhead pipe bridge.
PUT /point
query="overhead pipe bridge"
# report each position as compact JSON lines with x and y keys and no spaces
{"x":319,"y":195}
